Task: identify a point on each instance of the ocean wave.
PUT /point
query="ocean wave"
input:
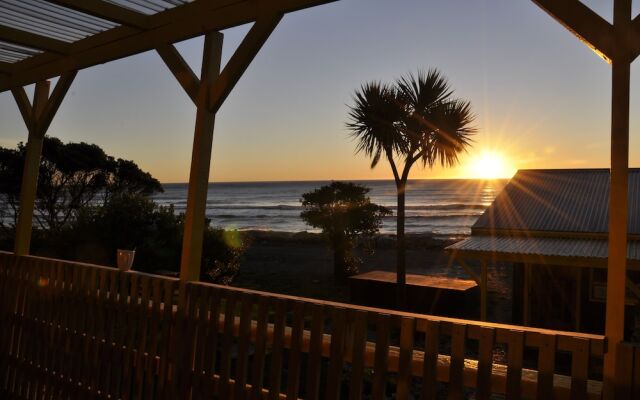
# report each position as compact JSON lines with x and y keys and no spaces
{"x":451,"y":206}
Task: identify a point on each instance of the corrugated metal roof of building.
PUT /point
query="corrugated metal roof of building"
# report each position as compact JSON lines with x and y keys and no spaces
{"x":542,"y":247}
{"x":571,"y":201}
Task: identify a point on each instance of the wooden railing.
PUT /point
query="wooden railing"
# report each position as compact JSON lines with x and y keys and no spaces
{"x":71,"y":330}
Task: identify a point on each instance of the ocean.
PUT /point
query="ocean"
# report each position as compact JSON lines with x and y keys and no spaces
{"x":443,"y":208}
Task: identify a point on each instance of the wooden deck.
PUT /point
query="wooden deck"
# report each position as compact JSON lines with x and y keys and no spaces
{"x":75,"y":331}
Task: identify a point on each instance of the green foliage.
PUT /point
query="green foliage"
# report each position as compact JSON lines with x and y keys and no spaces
{"x":344,"y":212}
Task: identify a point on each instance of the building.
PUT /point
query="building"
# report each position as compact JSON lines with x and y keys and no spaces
{"x":552,"y":226}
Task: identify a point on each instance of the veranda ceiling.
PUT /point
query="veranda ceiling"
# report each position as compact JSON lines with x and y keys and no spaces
{"x":41,"y":39}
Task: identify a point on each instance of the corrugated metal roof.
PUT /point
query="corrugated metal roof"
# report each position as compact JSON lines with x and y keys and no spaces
{"x":569,"y":201}
{"x":542,"y":247}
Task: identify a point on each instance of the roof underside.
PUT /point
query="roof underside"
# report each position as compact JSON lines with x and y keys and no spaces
{"x":534,"y":250}
{"x":570,"y":202}
{"x":41,"y":39}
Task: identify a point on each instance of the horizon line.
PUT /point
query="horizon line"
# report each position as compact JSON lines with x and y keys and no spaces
{"x":341,"y":180}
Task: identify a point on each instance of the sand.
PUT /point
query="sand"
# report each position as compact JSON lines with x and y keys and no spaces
{"x":301,"y":264}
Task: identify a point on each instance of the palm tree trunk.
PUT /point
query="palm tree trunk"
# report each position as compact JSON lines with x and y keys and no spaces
{"x":401,"y":247}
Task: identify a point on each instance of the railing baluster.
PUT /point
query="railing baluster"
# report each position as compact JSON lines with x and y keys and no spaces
{"x":358,"y":348}
{"x":277,"y":349}
{"x":381,"y":356}
{"x":515,"y":350}
{"x":430,"y":366}
{"x":456,"y":368}
{"x":227,"y":342}
{"x":244,"y":333}
{"x":315,"y":351}
{"x":579,"y":369}
{"x":257,"y":379}
{"x":407,"y":328}
{"x":295,"y":353}
{"x":546,"y":366}
{"x":485,"y":363}
{"x":334,"y":374}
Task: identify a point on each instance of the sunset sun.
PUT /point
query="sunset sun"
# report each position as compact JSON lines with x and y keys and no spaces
{"x":490,"y":165}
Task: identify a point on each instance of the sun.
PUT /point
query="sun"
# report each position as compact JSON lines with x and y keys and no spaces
{"x":489,"y":165}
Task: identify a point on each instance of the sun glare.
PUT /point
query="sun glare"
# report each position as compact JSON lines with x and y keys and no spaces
{"x":490,"y":165}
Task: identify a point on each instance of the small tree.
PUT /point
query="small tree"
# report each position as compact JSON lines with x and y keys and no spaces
{"x":344,"y":212}
{"x":417,"y":120}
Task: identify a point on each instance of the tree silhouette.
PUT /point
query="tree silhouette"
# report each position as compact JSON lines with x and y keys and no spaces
{"x":416,"y":120}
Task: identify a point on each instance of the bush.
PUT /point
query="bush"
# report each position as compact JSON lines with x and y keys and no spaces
{"x":345,"y":213}
{"x":155,"y":232}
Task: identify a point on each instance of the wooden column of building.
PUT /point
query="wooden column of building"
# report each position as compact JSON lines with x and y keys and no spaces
{"x":200,"y":162}
{"x":37,"y":117}
{"x":209,"y":93}
{"x":618,"y":196}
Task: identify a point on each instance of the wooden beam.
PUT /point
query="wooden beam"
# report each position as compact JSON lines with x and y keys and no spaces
{"x":181,"y":70}
{"x":239,"y":62}
{"x":588,"y":26}
{"x":170,"y":26}
{"x":106,"y":10}
{"x":194,"y":223}
{"x":24,"y":105}
{"x":618,"y":195}
{"x":30,"y":172}
{"x":5,"y":67}
{"x":634,"y":38}
{"x":51,"y":108}
{"x":32,"y":40}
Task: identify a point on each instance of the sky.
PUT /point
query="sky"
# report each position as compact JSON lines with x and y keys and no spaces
{"x":541,"y":97}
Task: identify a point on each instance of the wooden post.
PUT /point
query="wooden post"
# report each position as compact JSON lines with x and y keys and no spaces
{"x":526,"y":295}
{"x":618,"y":196}
{"x":30,"y":172}
{"x":200,"y":162}
{"x":578,"y":306}
{"x":483,"y":290}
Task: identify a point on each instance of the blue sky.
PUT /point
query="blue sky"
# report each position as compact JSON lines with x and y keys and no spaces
{"x":541,"y":97}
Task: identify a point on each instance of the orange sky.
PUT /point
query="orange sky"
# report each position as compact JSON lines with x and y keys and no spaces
{"x":541,"y":97}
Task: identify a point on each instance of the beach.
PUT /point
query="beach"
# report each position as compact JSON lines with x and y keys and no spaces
{"x":301,"y":264}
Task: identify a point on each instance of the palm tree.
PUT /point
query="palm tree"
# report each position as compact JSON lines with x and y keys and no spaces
{"x":415,"y":120}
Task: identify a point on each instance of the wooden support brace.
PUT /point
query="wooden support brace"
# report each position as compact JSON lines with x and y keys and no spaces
{"x":633,"y":288}
{"x":52,"y":106}
{"x":238,"y":63}
{"x":181,"y":70}
{"x":22,"y":100}
{"x":469,"y":271}
{"x":588,"y":26}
